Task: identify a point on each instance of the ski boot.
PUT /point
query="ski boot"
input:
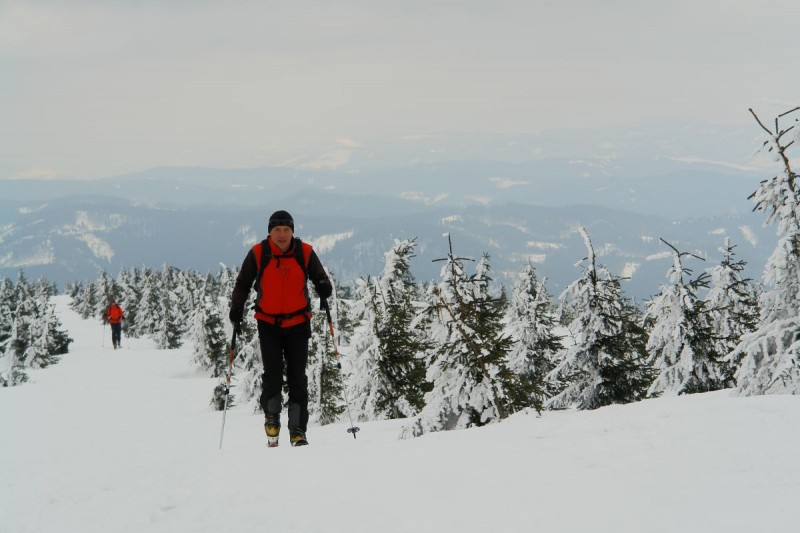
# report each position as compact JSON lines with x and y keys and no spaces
{"x":297,"y":437}
{"x":272,"y":427}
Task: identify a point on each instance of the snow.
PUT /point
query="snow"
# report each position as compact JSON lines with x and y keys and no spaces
{"x":629,"y":269}
{"x":94,"y":222}
{"x":6,"y":230}
{"x":326,"y":243}
{"x":99,"y":248}
{"x":124,"y":441}
{"x":545,"y":245}
{"x":41,"y":254}
{"x":417,"y":196}
{"x":506,"y":183}
{"x":249,"y":236}
{"x":748,"y":234}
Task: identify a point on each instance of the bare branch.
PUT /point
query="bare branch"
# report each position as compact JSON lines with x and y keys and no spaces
{"x":759,"y":121}
{"x":668,"y":244}
{"x":681,"y":254}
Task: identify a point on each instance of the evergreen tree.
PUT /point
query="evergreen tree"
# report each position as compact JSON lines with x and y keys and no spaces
{"x":35,"y":339}
{"x":732,"y":302}
{"x":106,"y":291}
{"x":149,"y":307}
{"x":14,"y":332}
{"x":248,"y":359}
{"x":530,"y":321}
{"x":681,"y":342}
{"x":168,"y":326}
{"x":468,"y":369}
{"x":389,"y":379}
{"x":12,"y":364}
{"x":605,"y":363}
{"x":209,"y":342}
{"x":402,"y":341}
{"x":769,"y":358}
{"x":87,"y":302}
{"x":325,"y":389}
{"x":7,"y":306}
{"x":130,"y":298}
{"x":365,"y":382}
{"x":341,"y":307}
{"x":37,"y":352}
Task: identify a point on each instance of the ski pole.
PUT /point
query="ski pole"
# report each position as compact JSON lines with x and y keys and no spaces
{"x":104,"y":334}
{"x":324,"y":303}
{"x":228,"y":382}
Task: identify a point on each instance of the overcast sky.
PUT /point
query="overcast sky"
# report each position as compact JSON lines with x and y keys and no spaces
{"x":90,"y":89}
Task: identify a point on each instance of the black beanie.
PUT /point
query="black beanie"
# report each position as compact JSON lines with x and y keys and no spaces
{"x":280,"y":218}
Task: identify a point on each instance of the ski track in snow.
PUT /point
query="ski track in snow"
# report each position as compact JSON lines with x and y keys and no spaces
{"x":124,"y":441}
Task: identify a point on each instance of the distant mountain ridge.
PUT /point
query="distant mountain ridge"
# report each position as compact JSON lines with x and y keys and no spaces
{"x":517,"y":199}
{"x":71,"y":238}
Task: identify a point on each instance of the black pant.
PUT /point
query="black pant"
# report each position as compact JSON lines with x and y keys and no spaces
{"x":116,"y":334}
{"x":290,"y":345}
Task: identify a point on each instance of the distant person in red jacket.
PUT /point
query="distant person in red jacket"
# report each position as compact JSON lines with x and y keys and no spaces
{"x":114,"y":316}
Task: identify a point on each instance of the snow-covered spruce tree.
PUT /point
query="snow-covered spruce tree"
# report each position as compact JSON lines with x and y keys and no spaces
{"x":72,"y":289}
{"x":389,"y":346}
{"x":402,"y":337}
{"x":249,"y":365}
{"x":86,"y":303}
{"x":681,"y":343}
{"x":36,"y":338}
{"x":149,"y":304}
{"x":769,"y":358}
{"x":226,"y":279}
{"x":342,"y":308}
{"x":7,"y":305}
{"x":130,"y":298}
{"x":530,"y":321}
{"x":106,"y":291}
{"x":46,"y":340}
{"x":169,"y":325}
{"x":207,"y":332}
{"x":364,"y":381}
{"x":12,"y":363}
{"x":325,"y":389}
{"x":732,"y":302}
{"x":606,"y":361}
{"x":12,"y":368}
{"x":468,"y":371}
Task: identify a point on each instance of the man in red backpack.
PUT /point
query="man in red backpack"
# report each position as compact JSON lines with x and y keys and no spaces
{"x":114,"y":316}
{"x":279,"y":268}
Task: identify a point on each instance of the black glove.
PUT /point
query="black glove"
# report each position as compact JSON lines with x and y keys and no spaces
{"x":324,"y":290}
{"x":235,"y":315}
{"x":237,"y":329}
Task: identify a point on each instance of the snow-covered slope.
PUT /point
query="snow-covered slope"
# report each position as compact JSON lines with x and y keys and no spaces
{"x":124,"y":441}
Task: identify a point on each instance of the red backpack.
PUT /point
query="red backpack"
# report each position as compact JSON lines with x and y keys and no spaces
{"x":114,"y":314}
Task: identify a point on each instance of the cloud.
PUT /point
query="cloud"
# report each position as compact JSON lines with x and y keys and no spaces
{"x":105,"y":87}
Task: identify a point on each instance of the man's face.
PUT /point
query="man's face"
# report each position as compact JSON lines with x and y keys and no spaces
{"x":282,"y":237}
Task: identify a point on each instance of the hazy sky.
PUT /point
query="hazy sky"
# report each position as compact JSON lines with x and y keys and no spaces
{"x":95,"y":88}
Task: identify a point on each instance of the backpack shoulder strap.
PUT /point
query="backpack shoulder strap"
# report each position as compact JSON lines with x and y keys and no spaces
{"x":301,"y":256}
{"x":262,"y":262}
